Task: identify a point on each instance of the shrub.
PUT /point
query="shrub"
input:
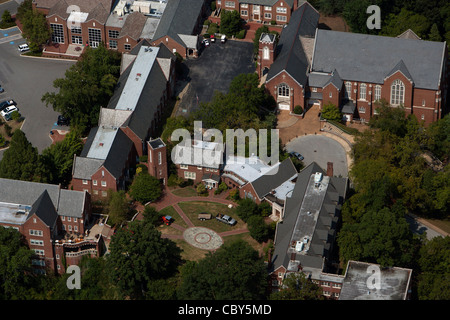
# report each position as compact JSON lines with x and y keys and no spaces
{"x":331,"y":112}
{"x":8,"y":130}
{"x":201,"y":189}
{"x":273,"y":22}
{"x":145,"y":188}
{"x":241,"y":34}
{"x":234,"y":194}
{"x":298,"y":109}
{"x":143,"y":158}
{"x":213,"y":6}
{"x":259,"y":230}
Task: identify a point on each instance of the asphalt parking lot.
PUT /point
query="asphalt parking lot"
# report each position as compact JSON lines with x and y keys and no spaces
{"x":213,"y":70}
{"x":321,"y":150}
{"x":26,"y":80}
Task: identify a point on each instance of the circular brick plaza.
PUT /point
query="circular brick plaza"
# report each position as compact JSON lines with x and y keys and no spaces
{"x":203,"y":238}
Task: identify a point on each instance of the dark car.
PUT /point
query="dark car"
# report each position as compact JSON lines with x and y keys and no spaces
{"x":1,"y":89}
{"x":296,"y":155}
{"x":6,"y":103}
{"x":62,"y":121}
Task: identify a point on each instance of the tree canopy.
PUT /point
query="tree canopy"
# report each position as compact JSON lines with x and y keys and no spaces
{"x":87,"y":86}
{"x":139,"y":256}
{"x":234,"y":272}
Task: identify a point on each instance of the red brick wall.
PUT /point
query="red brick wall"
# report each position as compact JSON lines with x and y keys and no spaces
{"x":171,"y":44}
{"x":296,"y":92}
{"x":35,"y":223}
{"x":248,"y":189}
{"x":261,"y":17}
{"x":160,"y":171}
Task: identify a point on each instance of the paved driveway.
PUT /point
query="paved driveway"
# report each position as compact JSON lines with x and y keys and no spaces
{"x":321,"y":149}
{"x":26,"y":80}
{"x":217,"y":65}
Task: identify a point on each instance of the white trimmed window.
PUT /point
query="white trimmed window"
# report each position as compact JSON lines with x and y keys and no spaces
{"x":266,"y":53}
{"x":362,"y":91}
{"x":184,"y":167}
{"x":229,"y":4}
{"x":348,"y":90}
{"x":283,"y":90}
{"x":397,"y":92}
{"x":281,"y":10}
{"x":362,"y":110}
{"x":281,"y":18}
{"x":377,"y":92}
{"x":189,"y":175}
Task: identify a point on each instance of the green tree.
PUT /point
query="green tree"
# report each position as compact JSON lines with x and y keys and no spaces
{"x":138,"y":257}
{"x":399,"y":23}
{"x":246,"y":209}
{"x":20,"y":160}
{"x":152,"y":216}
{"x":258,"y":228}
{"x":55,"y":162}
{"x":230,"y":22}
{"x":118,"y":207}
{"x":6,"y":20}
{"x":390,"y":119}
{"x":434,"y":262}
{"x":355,"y":15}
{"x":145,"y":188}
{"x":87,"y":86}
{"x":297,"y":287}
{"x":16,"y":278}
{"x":34,"y":25}
{"x":331,"y":112}
{"x":434,"y":34}
{"x":234,"y":272}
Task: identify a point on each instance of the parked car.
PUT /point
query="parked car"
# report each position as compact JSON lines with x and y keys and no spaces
{"x":296,"y":155}
{"x":7,"y":103}
{"x":226,"y":219}
{"x":23,"y":47}
{"x":6,"y":113}
{"x":62,"y":121}
{"x":223,"y":39}
{"x":213,"y":38}
{"x":206,"y":42}
{"x":1,"y":89}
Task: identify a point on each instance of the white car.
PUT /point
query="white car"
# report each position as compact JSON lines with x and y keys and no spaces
{"x":206,"y":42}
{"x":6,"y":113}
{"x":23,"y":47}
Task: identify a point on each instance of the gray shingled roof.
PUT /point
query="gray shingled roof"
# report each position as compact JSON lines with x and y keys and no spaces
{"x":179,"y":17}
{"x":66,"y":202}
{"x":370,"y":58}
{"x":325,"y":224}
{"x":268,"y":182}
{"x":291,"y":57}
{"x":44,"y":208}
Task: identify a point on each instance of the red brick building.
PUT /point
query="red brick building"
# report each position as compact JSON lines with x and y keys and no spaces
{"x":157,"y":160}
{"x":314,"y":66}
{"x":180,"y":25}
{"x":133,"y":115}
{"x":304,"y":241}
{"x":57,"y":224}
{"x":199,"y":161}
{"x":265,"y":12}
{"x":76,"y":24}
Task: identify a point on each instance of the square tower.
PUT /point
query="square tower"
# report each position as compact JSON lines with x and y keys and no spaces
{"x":157,"y":159}
{"x":266,"y":56}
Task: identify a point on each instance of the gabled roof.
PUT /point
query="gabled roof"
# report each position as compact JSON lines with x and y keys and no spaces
{"x":409,"y":34}
{"x":369,"y":58}
{"x":274,"y":178}
{"x":43,"y":208}
{"x":400,"y":66}
{"x":179,"y":17}
{"x":322,"y":207}
{"x":291,"y":56}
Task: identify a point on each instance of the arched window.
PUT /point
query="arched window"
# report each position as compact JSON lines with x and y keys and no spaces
{"x":362,"y":91}
{"x":283,"y":90}
{"x":266,"y":53}
{"x":377,"y":92}
{"x":348,"y":90}
{"x":397,"y":92}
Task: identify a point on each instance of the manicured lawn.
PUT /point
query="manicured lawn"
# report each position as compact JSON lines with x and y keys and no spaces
{"x":185,"y":192}
{"x":189,"y":252}
{"x":193,"y":208}
{"x":170,"y":211}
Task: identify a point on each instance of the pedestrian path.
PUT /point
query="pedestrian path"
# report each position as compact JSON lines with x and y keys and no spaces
{"x":199,"y":237}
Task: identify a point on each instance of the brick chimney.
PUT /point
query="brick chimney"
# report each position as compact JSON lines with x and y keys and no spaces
{"x":329,"y":169}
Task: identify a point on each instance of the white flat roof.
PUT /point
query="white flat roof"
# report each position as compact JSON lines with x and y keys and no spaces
{"x":137,"y":78}
{"x":248,"y":169}
{"x":13,"y":213}
{"x":76,"y":17}
{"x":102,"y":143}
